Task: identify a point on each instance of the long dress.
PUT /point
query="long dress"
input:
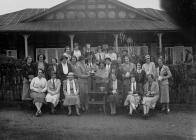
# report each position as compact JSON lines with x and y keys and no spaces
{"x":71,"y":91}
{"x":114,"y":92}
{"x":126,"y":68}
{"x":151,"y":101}
{"x":28,"y":72}
{"x":53,"y":86}
{"x":36,"y":85}
{"x":164,"y":83}
{"x":140,"y":77}
{"x":133,"y":98}
{"x":82,"y":73}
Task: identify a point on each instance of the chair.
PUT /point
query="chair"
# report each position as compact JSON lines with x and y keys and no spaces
{"x":97,"y":93}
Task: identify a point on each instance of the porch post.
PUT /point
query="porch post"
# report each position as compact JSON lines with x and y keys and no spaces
{"x":160,"y":43}
{"x":116,"y":41}
{"x":72,"y":41}
{"x":26,"y":44}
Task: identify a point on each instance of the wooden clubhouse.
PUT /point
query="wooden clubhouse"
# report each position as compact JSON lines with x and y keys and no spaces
{"x":98,"y":22}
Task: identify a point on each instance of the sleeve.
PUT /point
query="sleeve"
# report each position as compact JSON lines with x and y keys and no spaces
{"x":58,"y":86}
{"x":77,"y":86}
{"x":32,"y":85}
{"x":24,"y":72}
{"x":45,"y":88}
{"x":168,"y":73}
{"x":65,"y":86}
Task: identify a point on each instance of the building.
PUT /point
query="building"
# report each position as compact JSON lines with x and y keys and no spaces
{"x":34,"y":31}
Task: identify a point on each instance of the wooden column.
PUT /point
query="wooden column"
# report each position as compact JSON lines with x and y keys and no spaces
{"x":26,"y":44}
{"x":116,"y":41}
{"x":160,"y":43}
{"x":72,"y":41}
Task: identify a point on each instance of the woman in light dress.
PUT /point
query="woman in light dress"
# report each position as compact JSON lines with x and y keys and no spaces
{"x":149,"y":67}
{"x":53,"y":95}
{"x":127,"y":68}
{"x":151,"y":95}
{"x":38,"y":88}
{"x":71,"y":92}
{"x":133,"y":98}
{"x":163,"y":74}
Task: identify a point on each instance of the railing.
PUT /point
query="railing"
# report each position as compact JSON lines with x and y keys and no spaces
{"x":182,"y":89}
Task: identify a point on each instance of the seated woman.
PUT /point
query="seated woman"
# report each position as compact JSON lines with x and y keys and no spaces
{"x":113,"y":91}
{"x":133,"y":98}
{"x":53,"y":91}
{"x":38,"y":88}
{"x":151,"y":95}
{"x":71,"y":92}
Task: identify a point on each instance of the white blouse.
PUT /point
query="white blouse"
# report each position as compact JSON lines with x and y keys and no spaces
{"x":38,"y":84}
{"x":65,"y":68}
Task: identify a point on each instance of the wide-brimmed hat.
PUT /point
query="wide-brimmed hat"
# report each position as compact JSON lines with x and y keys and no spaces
{"x":70,"y":74}
{"x":64,"y":56}
{"x":107,"y":58}
{"x":147,"y":57}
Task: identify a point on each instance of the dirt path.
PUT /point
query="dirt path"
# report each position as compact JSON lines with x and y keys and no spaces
{"x":23,"y":125}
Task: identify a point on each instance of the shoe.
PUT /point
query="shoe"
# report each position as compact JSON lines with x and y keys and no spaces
{"x":77,"y":114}
{"x":69,"y":114}
{"x":168,"y":110}
{"x":37,"y":114}
{"x":146,"y":116}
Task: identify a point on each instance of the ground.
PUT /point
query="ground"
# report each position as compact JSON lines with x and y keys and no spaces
{"x":20,"y":124}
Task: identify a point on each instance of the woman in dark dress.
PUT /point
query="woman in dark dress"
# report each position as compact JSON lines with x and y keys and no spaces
{"x":41,"y":64}
{"x":29,"y":72}
{"x":140,"y":76}
{"x":62,"y":71}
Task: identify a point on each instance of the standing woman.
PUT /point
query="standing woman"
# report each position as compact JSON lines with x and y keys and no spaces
{"x":53,"y":65}
{"x":163,"y":74}
{"x":149,"y":67}
{"x":126,"y":69}
{"x":114,"y":96}
{"x":41,"y":64}
{"x":71,"y":92}
{"x":82,"y":74}
{"x":62,"y":71}
{"x":53,"y":89}
{"x":140,"y":76}
{"x":38,"y":88}
{"x":29,"y":72}
{"x":151,"y":95}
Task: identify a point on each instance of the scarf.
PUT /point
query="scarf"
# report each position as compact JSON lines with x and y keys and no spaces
{"x":69,"y":87}
{"x":133,"y":86}
{"x":114,"y":86}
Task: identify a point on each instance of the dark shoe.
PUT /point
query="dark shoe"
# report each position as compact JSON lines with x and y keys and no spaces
{"x":146,"y":116}
{"x":37,"y":114}
{"x":77,"y":114}
{"x":69,"y":114}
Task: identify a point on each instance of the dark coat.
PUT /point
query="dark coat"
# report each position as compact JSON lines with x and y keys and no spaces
{"x":60,"y":73}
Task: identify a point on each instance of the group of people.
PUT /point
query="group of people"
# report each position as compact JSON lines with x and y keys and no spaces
{"x":126,"y":83}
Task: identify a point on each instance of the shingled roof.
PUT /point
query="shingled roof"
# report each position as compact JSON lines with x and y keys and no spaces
{"x":18,"y":22}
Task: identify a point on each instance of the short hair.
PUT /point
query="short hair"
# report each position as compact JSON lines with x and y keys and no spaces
{"x":73,"y":57}
{"x":151,"y":75}
{"x":44,"y":57}
{"x":63,"y":57}
{"x":41,"y":71}
{"x":28,"y":58}
{"x":54,"y":59}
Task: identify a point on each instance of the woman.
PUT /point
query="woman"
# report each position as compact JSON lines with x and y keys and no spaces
{"x":29,"y":72}
{"x":41,"y":64}
{"x":53,"y":66}
{"x":151,"y":95}
{"x":71,"y":92}
{"x":53,"y":89}
{"x":149,"y":67}
{"x":91,"y":65}
{"x":126,"y":69}
{"x":113,"y":92}
{"x":76,"y":51}
{"x":163,"y":74}
{"x":140,"y":76}
{"x":102,"y":74}
{"x":82,"y":74}
{"x":133,"y":98}
{"x":62,"y":71}
{"x":38,"y":88}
